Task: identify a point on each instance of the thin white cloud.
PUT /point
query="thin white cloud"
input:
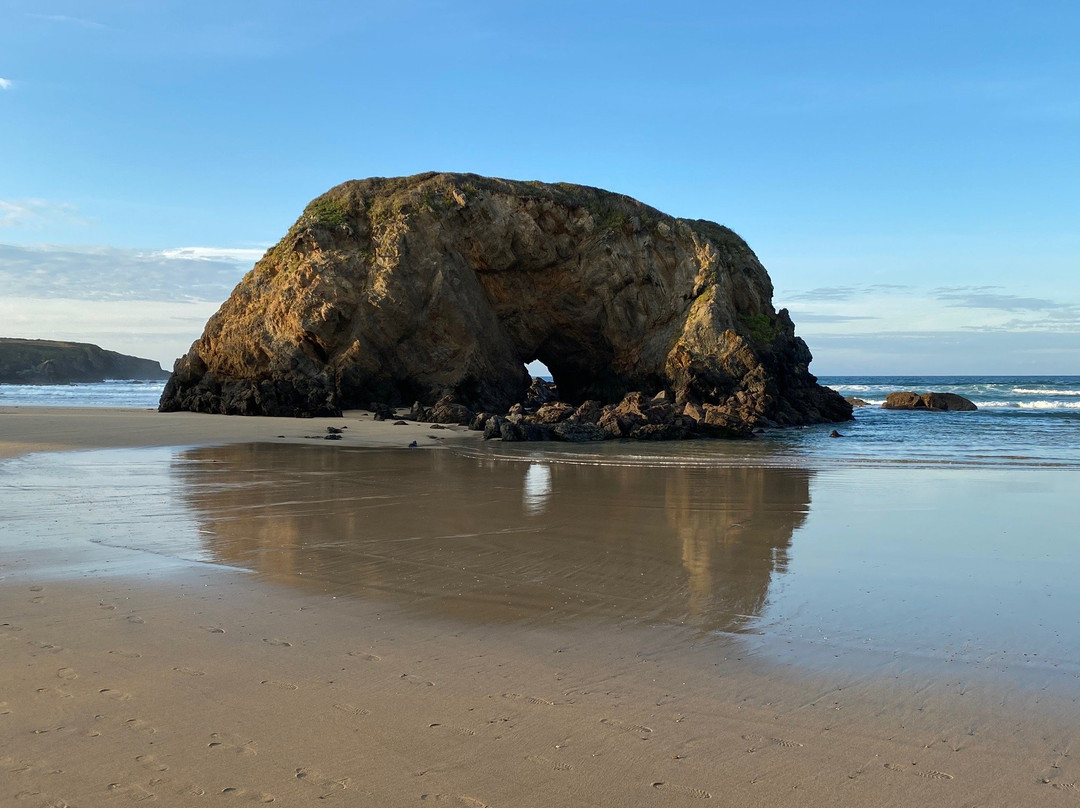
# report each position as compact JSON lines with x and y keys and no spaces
{"x":37,"y":212}
{"x":64,"y":19}
{"x":111,"y":273}
{"x":5,"y":84}
{"x":239,"y":254}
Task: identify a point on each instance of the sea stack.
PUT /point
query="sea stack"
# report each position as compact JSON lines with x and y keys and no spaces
{"x":415,"y":288}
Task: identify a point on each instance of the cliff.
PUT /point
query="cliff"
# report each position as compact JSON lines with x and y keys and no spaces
{"x":395,"y":290}
{"x":40,"y":361}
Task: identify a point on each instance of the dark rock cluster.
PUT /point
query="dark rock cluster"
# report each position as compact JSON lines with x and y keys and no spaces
{"x":636,"y":416}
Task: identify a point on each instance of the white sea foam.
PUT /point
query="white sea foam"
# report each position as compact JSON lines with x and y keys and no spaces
{"x":1031,"y":405}
{"x":1044,"y":391}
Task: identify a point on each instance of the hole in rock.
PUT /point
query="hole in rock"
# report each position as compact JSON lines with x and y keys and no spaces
{"x":538,"y":370}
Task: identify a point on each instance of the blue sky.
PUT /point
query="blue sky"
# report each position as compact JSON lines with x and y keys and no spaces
{"x":908,"y":173}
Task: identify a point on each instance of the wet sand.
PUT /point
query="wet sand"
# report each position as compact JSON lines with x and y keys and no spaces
{"x":311,"y":623}
{"x":41,"y":429}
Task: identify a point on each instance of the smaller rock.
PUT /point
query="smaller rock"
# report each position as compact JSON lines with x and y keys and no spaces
{"x":438,"y":426}
{"x":380,"y":411}
{"x":856,"y":402}
{"x":657,"y":432}
{"x":540,"y":393}
{"x":937,"y":402}
{"x":577,"y":432}
{"x":333,"y":436}
{"x":553,"y":412}
{"x":413,"y":445}
{"x":589,"y":412}
{"x":401,"y":423}
{"x":835,"y":434}
{"x":479,"y":421}
{"x":333,"y":430}
{"x":493,"y":427}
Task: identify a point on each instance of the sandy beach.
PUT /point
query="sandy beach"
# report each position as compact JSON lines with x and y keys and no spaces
{"x":292,"y":620}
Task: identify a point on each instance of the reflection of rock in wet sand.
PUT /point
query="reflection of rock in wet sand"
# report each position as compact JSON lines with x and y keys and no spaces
{"x":734,"y":527}
{"x":497,"y":540}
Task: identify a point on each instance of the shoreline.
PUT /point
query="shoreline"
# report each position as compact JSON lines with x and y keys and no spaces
{"x":130,"y":676}
{"x":53,"y":429}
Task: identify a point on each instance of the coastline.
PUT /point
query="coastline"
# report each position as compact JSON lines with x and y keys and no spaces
{"x":131,"y":676}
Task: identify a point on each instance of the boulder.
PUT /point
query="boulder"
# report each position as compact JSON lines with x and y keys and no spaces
{"x":493,"y":427}
{"x":416,"y":288}
{"x":577,"y":432}
{"x":939,"y":402}
{"x":447,"y":411}
{"x":540,"y":392}
{"x":856,"y":402}
{"x":554,"y":412}
{"x":589,"y":412}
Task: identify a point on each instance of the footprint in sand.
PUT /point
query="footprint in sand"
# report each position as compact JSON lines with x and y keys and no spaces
{"x":682,"y":791}
{"x":134,"y":618}
{"x":554,"y":765}
{"x":928,"y":774}
{"x":278,"y":685}
{"x":213,"y":629}
{"x":67,"y":673}
{"x":48,"y":646}
{"x":539,"y":702}
{"x":190,"y":671}
{"x":364,"y":655}
{"x":133,"y":792}
{"x":455,"y":800}
{"x":277,"y":642}
{"x":36,"y":588}
{"x":619,"y":725}
{"x":413,"y":679}
{"x":38,"y":599}
{"x":785,"y":743}
{"x":138,"y":725}
{"x":126,"y":654}
{"x":352,"y":709}
{"x":109,"y":607}
{"x":4,"y":710}
{"x":234,"y":791}
{"x":232,"y":743}
{"x":151,"y":763}
{"x":42,"y":800}
{"x":1070,"y":788}
{"x":115,"y":695}
{"x":322,"y":782}
{"x":465,"y":733}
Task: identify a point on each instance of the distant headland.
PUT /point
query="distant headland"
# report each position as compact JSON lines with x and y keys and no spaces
{"x":42,"y":361}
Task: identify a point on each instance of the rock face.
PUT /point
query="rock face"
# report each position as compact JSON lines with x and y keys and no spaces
{"x":415,"y":288}
{"x":927,"y":401}
{"x":40,"y":361}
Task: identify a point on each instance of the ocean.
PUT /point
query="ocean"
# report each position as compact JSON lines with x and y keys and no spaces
{"x":1021,"y":421}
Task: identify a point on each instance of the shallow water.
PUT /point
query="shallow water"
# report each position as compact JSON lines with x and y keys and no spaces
{"x":826,"y":565}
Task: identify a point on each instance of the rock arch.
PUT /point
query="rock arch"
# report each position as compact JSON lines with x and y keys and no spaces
{"x":411,"y":288}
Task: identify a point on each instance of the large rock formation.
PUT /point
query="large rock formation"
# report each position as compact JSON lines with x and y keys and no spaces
{"x":396,"y":290}
{"x":42,"y":361}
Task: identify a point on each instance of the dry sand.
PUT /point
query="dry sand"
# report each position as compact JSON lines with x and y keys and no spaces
{"x":194,"y":684}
